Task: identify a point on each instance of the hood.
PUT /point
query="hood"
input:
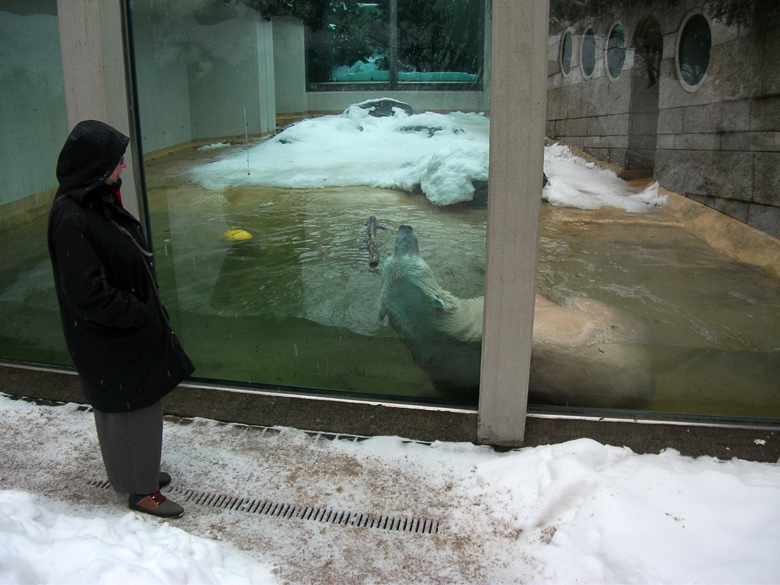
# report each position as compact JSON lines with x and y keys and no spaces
{"x":90,"y":154}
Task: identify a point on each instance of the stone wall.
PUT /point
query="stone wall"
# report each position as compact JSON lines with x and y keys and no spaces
{"x":590,"y":114}
{"x":717,"y":143}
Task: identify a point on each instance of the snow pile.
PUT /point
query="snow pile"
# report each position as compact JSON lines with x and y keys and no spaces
{"x":441,"y":155}
{"x":214,"y":146}
{"x":607,"y":515}
{"x":38,"y":546}
{"x":575,"y":182}
{"x":355,"y":148}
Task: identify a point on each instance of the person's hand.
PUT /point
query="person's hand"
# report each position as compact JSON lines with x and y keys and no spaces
{"x":139,"y":314}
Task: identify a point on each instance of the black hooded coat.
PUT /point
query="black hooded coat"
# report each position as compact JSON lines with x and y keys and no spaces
{"x":116,"y":329}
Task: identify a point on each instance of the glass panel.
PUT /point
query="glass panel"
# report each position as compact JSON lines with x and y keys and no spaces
{"x":659,"y":252}
{"x":268,"y":236}
{"x":566,"y":50}
{"x":440,"y":41}
{"x":694,"y":51}
{"x":616,"y":51}
{"x":588,"y":53}
{"x":33,"y":126}
{"x":396,"y":41}
{"x":350,"y":44}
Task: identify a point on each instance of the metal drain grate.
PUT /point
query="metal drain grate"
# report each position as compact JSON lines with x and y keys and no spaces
{"x":290,"y":511}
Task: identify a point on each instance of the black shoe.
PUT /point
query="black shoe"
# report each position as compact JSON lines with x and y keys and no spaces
{"x":156,"y":504}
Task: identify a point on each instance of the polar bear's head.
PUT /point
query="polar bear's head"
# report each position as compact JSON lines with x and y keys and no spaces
{"x":406,"y":242}
{"x":408,"y":283}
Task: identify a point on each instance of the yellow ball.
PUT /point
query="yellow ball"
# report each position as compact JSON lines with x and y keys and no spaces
{"x":236,"y":235}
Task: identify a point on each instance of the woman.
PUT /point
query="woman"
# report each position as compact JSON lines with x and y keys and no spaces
{"x":117,"y":332}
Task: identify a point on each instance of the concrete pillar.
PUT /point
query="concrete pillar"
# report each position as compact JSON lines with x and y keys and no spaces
{"x":94,"y":71}
{"x":266,"y":75}
{"x":517,"y":121}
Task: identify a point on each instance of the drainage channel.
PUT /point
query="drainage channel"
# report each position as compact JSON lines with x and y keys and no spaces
{"x":291,"y":511}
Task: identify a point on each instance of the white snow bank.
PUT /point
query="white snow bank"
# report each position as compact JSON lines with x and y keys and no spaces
{"x":441,"y":154}
{"x":576,"y":512}
{"x":214,"y":146}
{"x":613,"y":516}
{"x":575,"y":182}
{"x":38,"y":546}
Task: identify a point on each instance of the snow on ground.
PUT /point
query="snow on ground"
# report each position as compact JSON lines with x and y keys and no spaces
{"x":40,"y":546}
{"x":573,"y":512}
{"x":441,"y":154}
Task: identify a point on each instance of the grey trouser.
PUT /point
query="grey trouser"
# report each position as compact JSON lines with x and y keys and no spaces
{"x":131,"y":445}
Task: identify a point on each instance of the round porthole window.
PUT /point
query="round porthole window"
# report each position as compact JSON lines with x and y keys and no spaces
{"x":693,"y":51}
{"x":616,"y":51}
{"x":567,"y":46}
{"x":588,"y":53}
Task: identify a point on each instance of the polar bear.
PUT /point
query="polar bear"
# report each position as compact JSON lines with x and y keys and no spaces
{"x":443,"y":332}
{"x":585,"y":353}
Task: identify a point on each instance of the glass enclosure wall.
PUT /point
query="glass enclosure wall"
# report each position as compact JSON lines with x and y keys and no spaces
{"x":277,"y":176}
{"x":273,"y":209}
{"x":400,"y":44}
{"x":681,"y":287}
{"x":33,"y":126}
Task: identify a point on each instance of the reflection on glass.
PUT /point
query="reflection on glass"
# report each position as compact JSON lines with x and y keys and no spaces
{"x":268,"y":237}
{"x":261,"y":196}
{"x":351,"y":43}
{"x":440,"y":41}
{"x":682,"y":301}
{"x":678,"y":324}
{"x":566,"y":50}
{"x":616,"y":51}
{"x":396,"y":41}
{"x":694,"y":51}
{"x":588,"y":52}
{"x":33,"y":125}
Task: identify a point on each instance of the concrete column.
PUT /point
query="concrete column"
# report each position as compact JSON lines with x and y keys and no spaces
{"x":266,"y":75}
{"x":93,"y":67}
{"x":517,"y":115}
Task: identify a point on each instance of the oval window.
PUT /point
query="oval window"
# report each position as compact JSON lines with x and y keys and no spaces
{"x":616,"y":51}
{"x":693,"y":51}
{"x":567,"y":44}
{"x":588,"y":53}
